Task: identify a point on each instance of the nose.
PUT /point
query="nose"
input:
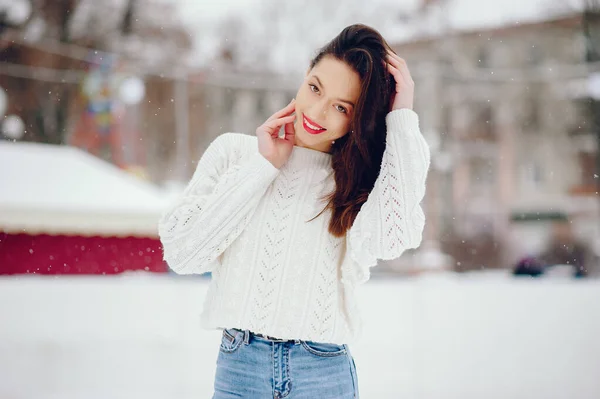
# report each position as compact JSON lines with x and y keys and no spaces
{"x":319,"y":112}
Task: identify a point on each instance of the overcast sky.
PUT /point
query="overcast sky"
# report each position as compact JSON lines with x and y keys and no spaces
{"x":198,"y":10}
{"x":202,"y":16}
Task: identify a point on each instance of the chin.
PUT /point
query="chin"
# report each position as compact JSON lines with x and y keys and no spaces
{"x":309,"y":139}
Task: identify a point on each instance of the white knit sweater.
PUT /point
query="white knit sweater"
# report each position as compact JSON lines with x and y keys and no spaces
{"x":272,"y":271}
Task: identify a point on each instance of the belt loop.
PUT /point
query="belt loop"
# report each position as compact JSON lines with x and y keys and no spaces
{"x":246,"y":337}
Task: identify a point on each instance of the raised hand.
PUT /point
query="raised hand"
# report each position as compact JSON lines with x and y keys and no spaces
{"x":405,"y":87}
{"x":277,"y":150}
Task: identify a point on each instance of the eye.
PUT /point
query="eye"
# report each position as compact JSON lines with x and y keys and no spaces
{"x":341,"y":109}
{"x":311,"y":88}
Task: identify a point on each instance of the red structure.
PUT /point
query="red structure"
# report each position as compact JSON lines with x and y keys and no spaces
{"x":64,"y":211}
{"x":61,"y":254}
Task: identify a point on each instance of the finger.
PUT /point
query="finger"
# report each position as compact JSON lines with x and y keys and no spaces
{"x":290,"y":132}
{"x":396,"y":74}
{"x":400,"y":65}
{"x":291,"y":107}
{"x":396,"y":61}
{"x":400,"y":75}
{"x":395,"y":56}
{"x":274,"y":125}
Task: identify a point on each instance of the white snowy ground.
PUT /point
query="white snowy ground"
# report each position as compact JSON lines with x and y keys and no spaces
{"x":137,"y":336}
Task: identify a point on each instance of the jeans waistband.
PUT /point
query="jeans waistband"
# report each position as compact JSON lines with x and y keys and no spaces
{"x":248,"y":334}
{"x":270,"y":338}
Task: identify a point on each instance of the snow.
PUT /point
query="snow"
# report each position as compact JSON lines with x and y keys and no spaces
{"x":443,"y":336}
{"x":52,"y":188}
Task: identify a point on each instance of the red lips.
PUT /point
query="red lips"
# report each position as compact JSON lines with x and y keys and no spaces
{"x":308,"y":128}
{"x":313,"y":122}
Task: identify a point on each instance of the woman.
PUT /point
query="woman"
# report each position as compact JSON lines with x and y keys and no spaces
{"x":289,"y":226}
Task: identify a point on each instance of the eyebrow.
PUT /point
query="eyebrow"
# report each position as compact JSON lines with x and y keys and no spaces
{"x":344,"y":101}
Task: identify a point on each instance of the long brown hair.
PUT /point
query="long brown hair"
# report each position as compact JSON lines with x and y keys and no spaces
{"x":357,"y":156}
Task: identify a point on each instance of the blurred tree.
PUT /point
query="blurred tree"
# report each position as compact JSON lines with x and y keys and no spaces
{"x":293,"y":30}
{"x":42,"y":103}
{"x":144,"y":33}
{"x":127,"y":24}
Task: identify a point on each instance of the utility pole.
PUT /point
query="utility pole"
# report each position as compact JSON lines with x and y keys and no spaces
{"x":182,"y":126}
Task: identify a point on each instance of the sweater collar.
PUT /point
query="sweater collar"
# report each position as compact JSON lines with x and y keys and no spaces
{"x":302,"y":156}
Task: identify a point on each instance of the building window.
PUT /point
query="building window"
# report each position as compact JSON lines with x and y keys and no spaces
{"x":534,"y":55}
{"x":228,"y":100}
{"x":482,"y":125}
{"x":482,"y":172}
{"x":531,"y":117}
{"x":532,"y":175}
{"x":587,"y":165}
{"x":447,"y":118}
{"x":483,"y":57}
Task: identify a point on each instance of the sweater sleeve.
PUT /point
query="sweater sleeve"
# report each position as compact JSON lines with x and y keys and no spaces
{"x":215,"y":207}
{"x":392,"y":220}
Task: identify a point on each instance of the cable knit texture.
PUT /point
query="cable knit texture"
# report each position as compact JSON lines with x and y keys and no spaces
{"x":273,"y":271}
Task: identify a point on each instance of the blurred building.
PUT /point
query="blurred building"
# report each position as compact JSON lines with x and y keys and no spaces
{"x":512,"y":133}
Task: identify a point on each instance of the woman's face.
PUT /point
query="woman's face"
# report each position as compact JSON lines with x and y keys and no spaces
{"x":325,"y":103}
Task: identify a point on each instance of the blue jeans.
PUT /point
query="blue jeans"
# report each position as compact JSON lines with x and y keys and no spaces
{"x":255,"y":367}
